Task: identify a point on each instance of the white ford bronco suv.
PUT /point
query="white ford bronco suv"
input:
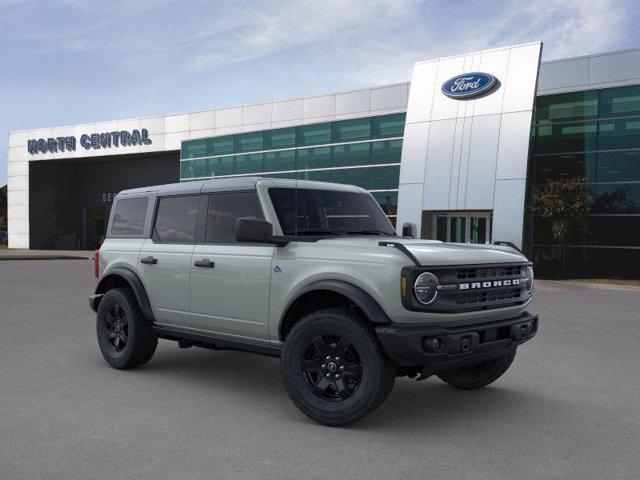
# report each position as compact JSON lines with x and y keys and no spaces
{"x":312,"y":273}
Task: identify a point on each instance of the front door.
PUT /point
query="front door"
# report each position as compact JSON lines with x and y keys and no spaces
{"x":230,"y":280}
{"x":461,"y":227}
{"x":164,"y":262}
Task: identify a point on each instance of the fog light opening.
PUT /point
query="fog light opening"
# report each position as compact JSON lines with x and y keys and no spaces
{"x":433,"y":344}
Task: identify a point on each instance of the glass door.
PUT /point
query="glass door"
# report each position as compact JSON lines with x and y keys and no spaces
{"x":462,"y":227}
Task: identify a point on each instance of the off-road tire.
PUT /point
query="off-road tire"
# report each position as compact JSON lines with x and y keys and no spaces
{"x":377,"y":371}
{"x":141,"y":341}
{"x":480,"y":375}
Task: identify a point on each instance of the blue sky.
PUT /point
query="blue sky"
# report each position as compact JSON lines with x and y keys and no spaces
{"x":72,"y":61}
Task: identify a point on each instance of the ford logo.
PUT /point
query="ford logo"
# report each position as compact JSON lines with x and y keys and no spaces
{"x":469,"y":85}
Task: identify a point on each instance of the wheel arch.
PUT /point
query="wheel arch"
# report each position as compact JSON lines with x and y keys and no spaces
{"x":123,"y":277}
{"x":334,"y":292}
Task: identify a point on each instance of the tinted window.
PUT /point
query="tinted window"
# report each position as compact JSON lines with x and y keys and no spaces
{"x":317,"y":212}
{"x":128,"y":216}
{"x":176,"y":220}
{"x":224,"y":210}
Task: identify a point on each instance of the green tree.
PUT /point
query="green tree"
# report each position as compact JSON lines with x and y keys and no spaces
{"x":565,"y":204}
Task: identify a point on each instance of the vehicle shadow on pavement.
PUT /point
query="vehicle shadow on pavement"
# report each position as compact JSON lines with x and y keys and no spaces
{"x":409,"y":406}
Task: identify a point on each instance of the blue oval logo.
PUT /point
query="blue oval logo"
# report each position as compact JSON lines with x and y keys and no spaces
{"x":469,"y":85}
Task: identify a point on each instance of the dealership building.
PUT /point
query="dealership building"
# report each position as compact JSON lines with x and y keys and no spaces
{"x":459,"y":153}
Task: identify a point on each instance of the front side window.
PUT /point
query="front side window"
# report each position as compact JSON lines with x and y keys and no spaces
{"x":128,"y":217}
{"x":176,"y":219}
{"x":328,"y":212}
{"x":224,"y":209}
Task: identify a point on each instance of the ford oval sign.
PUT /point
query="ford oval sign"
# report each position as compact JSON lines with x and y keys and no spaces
{"x":469,"y":85}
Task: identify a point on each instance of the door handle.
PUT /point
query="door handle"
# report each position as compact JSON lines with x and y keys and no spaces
{"x":149,"y":260}
{"x":204,"y":263}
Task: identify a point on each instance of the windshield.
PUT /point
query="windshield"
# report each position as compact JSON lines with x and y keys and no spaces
{"x":328,"y":212}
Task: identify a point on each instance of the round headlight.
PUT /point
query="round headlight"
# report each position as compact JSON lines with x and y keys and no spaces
{"x":426,"y":288}
{"x":529,"y":274}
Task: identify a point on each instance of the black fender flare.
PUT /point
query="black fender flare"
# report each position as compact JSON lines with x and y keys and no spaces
{"x":136,"y":285}
{"x":369,"y":306}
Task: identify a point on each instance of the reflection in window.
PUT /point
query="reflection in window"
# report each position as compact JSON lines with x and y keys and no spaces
{"x":176,"y":219}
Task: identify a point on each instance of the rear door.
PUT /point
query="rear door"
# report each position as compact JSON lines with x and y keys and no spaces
{"x":230,"y":280}
{"x":164,"y":263}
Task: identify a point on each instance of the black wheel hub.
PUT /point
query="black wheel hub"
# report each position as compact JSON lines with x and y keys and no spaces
{"x":332,"y":367}
{"x":117,"y":328}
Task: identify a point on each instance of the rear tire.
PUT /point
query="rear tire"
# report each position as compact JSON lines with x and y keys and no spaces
{"x":334,"y":368}
{"x":480,"y":375}
{"x":125,"y":337}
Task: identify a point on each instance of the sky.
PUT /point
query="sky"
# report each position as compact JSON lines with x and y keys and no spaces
{"x":65,"y":62}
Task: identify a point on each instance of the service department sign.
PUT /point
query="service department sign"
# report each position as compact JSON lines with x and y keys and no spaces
{"x":93,"y":141}
{"x":469,"y":85}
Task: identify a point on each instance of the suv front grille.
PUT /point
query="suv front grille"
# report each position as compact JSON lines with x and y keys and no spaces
{"x":469,"y":298}
{"x":478,"y":273}
{"x":472,"y":288}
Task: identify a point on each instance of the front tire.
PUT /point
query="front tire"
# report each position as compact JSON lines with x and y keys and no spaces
{"x":334,"y":368}
{"x":480,"y":375}
{"x":125,"y":337}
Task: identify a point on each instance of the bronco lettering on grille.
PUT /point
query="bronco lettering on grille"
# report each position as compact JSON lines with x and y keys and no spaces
{"x":489,"y":284}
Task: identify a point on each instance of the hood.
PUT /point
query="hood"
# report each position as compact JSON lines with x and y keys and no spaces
{"x":434,"y":252}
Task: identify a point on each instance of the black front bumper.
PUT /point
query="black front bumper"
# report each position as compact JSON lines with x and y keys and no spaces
{"x":455,"y":347}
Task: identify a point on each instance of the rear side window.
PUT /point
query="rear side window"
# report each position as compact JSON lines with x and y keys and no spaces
{"x":128,"y":217}
{"x":176,"y":219}
{"x":224,"y":209}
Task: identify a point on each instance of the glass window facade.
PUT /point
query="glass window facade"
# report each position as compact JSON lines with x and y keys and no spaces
{"x":593,"y":136}
{"x":363,"y":151}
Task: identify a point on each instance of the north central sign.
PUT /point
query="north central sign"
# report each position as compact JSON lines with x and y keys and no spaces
{"x":93,"y":141}
{"x":469,"y":85}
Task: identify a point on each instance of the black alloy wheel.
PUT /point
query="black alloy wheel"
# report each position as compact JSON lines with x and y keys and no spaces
{"x":117,"y":327}
{"x":126,"y":339}
{"x":332,"y":367}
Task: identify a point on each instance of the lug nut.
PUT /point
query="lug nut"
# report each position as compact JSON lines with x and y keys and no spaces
{"x":324,"y":365}
{"x":337,"y":359}
{"x":341,"y":367}
{"x":328,"y":375}
{"x":337,"y":376}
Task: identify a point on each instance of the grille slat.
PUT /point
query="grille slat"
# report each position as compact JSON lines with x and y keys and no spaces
{"x":478,"y":273}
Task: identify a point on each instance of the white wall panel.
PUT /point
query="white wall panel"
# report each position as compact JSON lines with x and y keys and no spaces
{"x":315,"y":107}
{"x":352,"y":102}
{"x":508,"y":210}
{"x":18,"y":139}
{"x":614,"y":67}
{"x":520,"y":83}
{"x":422,"y":91}
{"x":494,"y":62}
{"x":481,"y":164}
{"x":154,"y":125}
{"x":555,"y":75}
{"x":17,"y":154}
{"x":393,"y":96}
{"x":443,"y":106}
{"x":257,"y":114}
{"x":17,"y":168}
{"x":287,"y":111}
{"x":228,"y":117}
{"x":513,"y":148}
{"x":176,"y":123}
{"x":17,"y":183}
{"x":18,"y":240}
{"x":409,"y":201}
{"x":202,"y":120}
{"x":438,"y":166}
{"x":414,"y":152}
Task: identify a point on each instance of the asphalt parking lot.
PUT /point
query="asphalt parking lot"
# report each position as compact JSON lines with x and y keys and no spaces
{"x":569,"y":407}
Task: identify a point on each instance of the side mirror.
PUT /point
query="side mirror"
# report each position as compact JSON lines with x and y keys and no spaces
{"x":252,"y":229}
